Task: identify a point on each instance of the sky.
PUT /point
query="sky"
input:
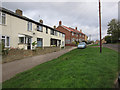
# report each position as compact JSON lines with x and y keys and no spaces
{"x":83,"y":15}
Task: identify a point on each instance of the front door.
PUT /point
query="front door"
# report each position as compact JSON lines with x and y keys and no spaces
{"x":29,"y":43}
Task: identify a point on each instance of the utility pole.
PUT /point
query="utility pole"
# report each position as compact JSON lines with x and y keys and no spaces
{"x":100,"y":26}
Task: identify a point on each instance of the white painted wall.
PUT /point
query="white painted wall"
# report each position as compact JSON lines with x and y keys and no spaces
{"x":15,"y":26}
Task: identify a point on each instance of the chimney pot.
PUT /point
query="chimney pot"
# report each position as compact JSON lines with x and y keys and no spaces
{"x":60,"y":23}
{"x":54,"y":27}
{"x":19,"y":12}
{"x":41,"y":21}
{"x":76,"y":28}
{"x":80,"y":30}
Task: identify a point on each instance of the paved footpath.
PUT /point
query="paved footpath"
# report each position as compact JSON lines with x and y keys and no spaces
{"x":12,"y":68}
{"x":115,"y":47}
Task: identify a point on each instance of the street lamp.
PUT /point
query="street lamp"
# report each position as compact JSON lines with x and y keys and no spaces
{"x":100,"y":26}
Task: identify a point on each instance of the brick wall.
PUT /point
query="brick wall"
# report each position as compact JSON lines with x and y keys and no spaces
{"x":20,"y":54}
{"x":68,"y":36}
{"x":67,"y":33}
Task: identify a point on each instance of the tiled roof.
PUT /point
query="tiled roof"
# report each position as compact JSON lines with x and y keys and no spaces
{"x":73,"y":30}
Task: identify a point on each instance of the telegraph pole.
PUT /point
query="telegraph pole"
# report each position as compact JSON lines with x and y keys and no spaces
{"x":100,"y":26}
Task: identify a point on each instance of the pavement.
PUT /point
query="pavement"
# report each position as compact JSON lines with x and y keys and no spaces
{"x":12,"y":68}
{"x":115,"y":47}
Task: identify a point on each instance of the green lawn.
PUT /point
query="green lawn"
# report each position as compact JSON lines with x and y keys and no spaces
{"x":80,"y":68}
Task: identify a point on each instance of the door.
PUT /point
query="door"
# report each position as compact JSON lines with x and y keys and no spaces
{"x":29,"y":43}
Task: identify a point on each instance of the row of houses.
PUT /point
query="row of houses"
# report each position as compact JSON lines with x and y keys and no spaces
{"x":18,"y":31}
{"x":71,"y":34}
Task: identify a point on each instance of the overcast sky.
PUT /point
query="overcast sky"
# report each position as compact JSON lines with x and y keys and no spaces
{"x":83,"y":15}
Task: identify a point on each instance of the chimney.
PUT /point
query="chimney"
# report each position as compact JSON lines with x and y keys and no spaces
{"x":80,"y":30}
{"x":19,"y":12}
{"x":41,"y":21}
{"x":76,"y":28}
{"x":60,"y":23}
{"x":54,"y":27}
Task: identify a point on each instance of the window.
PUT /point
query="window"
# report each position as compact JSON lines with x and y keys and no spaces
{"x":29,"y":26}
{"x":63,"y":43}
{"x":59,"y":34}
{"x":21,"y":40}
{"x":2,"y":18}
{"x":39,"y":28}
{"x":80,"y":35}
{"x":73,"y":39}
{"x":39,"y":42}
{"x":63,"y":35}
{"x":46,"y":30}
{"x":6,"y":41}
{"x":56,"y":33}
{"x":76,"y":35}
{"x":72,"y":33}
{"x":52,"y":32}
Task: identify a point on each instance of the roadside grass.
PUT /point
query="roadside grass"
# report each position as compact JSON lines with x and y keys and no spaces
{"x":79,"y":68}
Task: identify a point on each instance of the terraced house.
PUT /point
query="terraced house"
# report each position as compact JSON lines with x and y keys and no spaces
{"x":18,"y":31}
{"x":71,"y":34}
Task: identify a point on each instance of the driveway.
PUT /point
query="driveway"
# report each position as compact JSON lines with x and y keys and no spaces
{"x":12,"y":68}
{"x":115,"y":47}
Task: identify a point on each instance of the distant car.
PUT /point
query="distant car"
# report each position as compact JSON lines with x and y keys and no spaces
{"x":82,"y":45}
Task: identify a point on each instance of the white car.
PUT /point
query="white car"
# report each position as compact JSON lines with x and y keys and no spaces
{"x":82,"y":45}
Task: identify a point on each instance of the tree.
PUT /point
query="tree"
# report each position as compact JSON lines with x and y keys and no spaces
{"x":108,"y":39}
{"x":114,"y":30}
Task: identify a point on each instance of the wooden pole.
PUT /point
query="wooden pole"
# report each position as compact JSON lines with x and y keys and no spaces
{"x":100,"y":26}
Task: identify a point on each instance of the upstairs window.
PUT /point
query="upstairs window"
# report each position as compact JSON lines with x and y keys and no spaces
{"x":56,"y":33}
{"x":2,"y":18}
{"x":39,"y":28}
{"x":72,"y":34}
{"x":59,"y":34}
{"x":52,"y":32}
{"x":63,"y":35}
{"x":46,"y":30}
{"x":29,"y":26}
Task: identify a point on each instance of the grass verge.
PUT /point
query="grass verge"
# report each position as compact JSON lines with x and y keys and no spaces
{"x":79,"y":68}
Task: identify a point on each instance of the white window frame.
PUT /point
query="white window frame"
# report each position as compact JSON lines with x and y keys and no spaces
{"x":6,"y":40}
{"x":59,"y":33}
{"x":29,"y":26}
{"x":1,"y":18}
{"x":63,"y":35}
{"x":40,"y":28}
{"x":72,"y":33}
{"x":56,"y":33}
{"x":46,"y":30}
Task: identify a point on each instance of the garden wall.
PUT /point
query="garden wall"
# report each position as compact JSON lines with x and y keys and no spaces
{"x":16,"y":54}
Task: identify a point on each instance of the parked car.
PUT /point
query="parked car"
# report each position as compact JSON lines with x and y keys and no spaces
{"x":82,"y":45}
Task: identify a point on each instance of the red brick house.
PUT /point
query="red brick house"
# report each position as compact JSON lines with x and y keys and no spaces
{"x":71,"y":34}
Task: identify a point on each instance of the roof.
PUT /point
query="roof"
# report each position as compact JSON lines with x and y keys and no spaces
{"x":25,"y":18}
{"x":72,"y":30}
